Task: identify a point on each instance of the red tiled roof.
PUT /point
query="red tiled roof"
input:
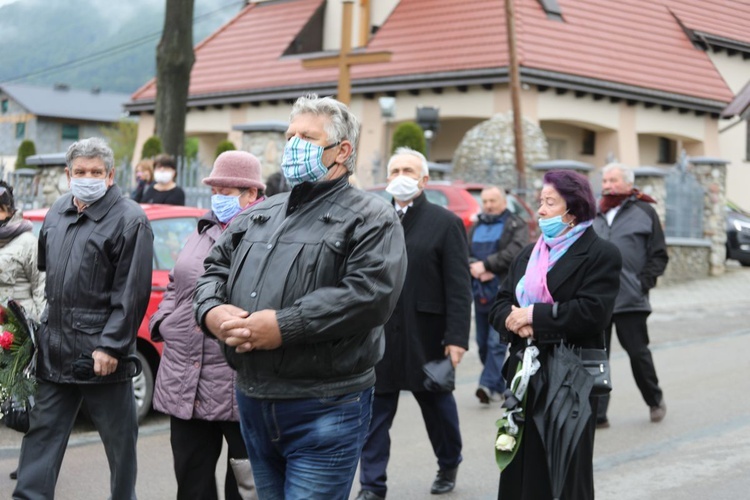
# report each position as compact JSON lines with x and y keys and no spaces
{"x":637,"y":43}
{"x":729,"y":19}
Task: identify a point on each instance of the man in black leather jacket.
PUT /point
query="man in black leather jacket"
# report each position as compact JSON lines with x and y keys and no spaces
{"x":298,"y":288}
{"x":96,"y":247}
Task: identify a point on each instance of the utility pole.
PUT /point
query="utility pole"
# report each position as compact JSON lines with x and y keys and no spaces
{"x":515,"y":96}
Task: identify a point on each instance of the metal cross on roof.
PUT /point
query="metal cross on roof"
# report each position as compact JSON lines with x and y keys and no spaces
{"x":345,"y":59}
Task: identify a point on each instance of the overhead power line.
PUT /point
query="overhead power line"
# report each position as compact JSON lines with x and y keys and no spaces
{"x":114,"y":50}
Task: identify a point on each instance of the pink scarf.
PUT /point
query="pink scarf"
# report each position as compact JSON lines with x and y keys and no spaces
{"x":532,"y":287}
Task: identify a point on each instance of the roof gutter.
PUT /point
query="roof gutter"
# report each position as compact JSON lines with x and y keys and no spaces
{"x":542,"y":78}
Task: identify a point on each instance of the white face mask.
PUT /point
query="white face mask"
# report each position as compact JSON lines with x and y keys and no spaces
{"x":88,"y":190}
{"x":163,"y":176}
{"x":403,"y":188}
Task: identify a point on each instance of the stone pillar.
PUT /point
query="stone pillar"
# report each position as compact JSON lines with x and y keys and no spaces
{"x":712,"y":175}
{"x":53,"y":183}
{"x":49,"y":178}
{"x":266,"y":141}
{"x":650,"y":180}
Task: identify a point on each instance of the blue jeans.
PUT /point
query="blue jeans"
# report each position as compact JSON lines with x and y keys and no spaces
{"x":491,"y":353}
{"x":305,"y":448}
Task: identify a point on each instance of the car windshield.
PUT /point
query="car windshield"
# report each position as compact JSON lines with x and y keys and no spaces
{"x":169,"y":238}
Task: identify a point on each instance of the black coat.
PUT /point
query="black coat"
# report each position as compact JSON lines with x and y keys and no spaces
{"x":98,"y":266}
{"x":434,"y":309}
{"x":584,"y":284}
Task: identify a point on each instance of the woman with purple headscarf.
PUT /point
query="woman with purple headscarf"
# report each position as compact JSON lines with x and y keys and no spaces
{"x":560,"y":289}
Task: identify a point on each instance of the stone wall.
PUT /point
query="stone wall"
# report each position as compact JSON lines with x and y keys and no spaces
{"x":688,"y":260}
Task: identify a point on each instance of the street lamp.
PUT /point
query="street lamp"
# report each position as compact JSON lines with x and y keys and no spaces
{"x":428,"y":118}
{"x":387,"y":113}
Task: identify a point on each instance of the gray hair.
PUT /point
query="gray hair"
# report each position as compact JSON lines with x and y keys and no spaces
{"x":403,"y":150}
{"x":93,"y":147}
{"x":342,"y":125}
{"x":627,"y":173}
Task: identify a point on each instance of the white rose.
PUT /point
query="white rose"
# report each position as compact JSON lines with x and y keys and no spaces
{"x":505,"y":442}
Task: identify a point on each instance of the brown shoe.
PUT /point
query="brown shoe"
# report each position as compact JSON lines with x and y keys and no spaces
{"x":658,"y":412}
{"x":602,"y":424}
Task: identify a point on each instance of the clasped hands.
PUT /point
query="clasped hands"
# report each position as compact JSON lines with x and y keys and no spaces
{"x":478,"y":271}
{"x":244,"y":331}
{"x":518,"y":322}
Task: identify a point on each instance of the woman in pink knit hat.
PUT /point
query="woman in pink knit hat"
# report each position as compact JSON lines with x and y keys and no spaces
{"x":194,"y":385}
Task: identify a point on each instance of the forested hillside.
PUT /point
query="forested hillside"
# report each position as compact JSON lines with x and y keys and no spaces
{"x":92,"y":43}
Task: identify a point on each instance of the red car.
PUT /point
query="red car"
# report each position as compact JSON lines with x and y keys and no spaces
{"x":171,"y":226}
{"x":464,"y":199}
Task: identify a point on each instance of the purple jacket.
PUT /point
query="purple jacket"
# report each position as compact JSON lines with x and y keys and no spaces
{"x":194,"y":381}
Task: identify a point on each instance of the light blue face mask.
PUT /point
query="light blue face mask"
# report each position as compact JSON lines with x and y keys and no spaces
{"x":303,"y":162}
{"x":225,"y":207}
{"x":552,"y":227}
{"x":88,"y":190}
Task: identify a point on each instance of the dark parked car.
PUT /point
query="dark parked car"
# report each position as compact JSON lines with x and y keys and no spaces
{"x":171,"y":226}
{"x":738,"y":234}
{"x":464,"y":200}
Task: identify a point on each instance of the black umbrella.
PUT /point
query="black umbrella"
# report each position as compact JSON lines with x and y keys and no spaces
{"x":561,"y":410}
{"x":440,"y":375}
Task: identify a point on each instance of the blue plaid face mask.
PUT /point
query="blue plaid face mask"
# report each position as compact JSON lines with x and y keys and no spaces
{"x":303,"y":162}
{"x":225,"y":207}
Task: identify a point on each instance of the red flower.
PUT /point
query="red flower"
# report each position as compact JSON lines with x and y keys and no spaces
{"x":6,"y":340}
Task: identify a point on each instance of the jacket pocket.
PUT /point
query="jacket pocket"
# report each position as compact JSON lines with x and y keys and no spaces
{"x":90,"y":322}
{"x":430,"y":307}
{"x":328,"y":266}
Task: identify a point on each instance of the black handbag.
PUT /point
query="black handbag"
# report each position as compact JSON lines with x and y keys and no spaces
{"x":596,"y":363}
{"x":16,"y":414}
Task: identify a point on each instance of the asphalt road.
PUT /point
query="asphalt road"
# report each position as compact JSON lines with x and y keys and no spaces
{"x":701,"y":450}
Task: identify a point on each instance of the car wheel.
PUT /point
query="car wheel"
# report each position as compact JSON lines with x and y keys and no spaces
{"x":143,"y":387}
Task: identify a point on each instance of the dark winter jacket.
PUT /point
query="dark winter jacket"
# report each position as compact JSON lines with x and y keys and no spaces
{"x":637,"y":233}
{"x":434,"y":309}
{"x":495,"y":241}
{"x":330,"y":260}
{"x":583,"y":284}
{"x":98,"y":265}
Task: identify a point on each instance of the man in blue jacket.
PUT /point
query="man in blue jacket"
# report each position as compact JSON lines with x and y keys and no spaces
{"x":494,"y":240}
{"x":627,"y":219}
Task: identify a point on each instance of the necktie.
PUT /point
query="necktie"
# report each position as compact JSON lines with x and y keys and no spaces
{"x":400,"y":214}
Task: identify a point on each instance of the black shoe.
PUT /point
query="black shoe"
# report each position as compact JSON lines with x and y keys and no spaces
{"x":483,"y":394}
{"x":14,"y":474}
{"x":444,"y":482}
{"x":369,"y":495}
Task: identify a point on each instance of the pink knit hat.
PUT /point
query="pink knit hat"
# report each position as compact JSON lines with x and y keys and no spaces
{"x":238,"y":169}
